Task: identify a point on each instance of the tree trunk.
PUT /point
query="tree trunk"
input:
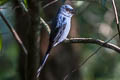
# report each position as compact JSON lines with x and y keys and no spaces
{"x":33,"y":39}
{"x":27,"y":24}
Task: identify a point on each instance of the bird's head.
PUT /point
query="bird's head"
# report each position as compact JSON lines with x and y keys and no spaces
{"x":67,"y":10}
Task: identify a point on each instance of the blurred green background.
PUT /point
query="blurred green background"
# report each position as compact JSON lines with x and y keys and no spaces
{"x":9,"y":48}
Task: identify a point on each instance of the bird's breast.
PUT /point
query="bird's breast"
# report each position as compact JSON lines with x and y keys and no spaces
{"x":67,"y":24}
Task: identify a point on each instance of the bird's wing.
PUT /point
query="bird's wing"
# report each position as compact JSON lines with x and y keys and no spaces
{"x":57,"y":30}
{"x":57,"y":33}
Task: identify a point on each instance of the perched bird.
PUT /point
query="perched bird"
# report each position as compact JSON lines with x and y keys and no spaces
{"x":59,"y":30}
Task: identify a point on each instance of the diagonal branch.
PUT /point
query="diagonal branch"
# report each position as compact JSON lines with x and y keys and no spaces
{"x":93,"y":41}
{"x":14,"y":33}
{"x":50,"y":3}
{"x":116,"y":16}
{"x":45,"y":24}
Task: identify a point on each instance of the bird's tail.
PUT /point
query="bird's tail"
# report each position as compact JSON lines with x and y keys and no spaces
{"x":44,"y":60}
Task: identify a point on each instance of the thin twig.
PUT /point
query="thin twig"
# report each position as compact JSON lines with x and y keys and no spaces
{"x":14,"y":33}
{"x":94,"y":41}
{"x":116,"y":17}
{"x":52,"y":2}
{"x":45,"y":24}
{"x":26,"y":10}
{"x":80,"y":65}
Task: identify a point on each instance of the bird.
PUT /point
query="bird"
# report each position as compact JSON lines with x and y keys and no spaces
{"x":59,"y":30}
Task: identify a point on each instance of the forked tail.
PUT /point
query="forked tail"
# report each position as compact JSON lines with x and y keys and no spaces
{"x":42,"y":64}
{"x":44,"y":60}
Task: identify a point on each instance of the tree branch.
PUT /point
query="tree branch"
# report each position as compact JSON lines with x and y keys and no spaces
{"x":14,"y":33}
{"x":42,"y":21}
{"x":50,"y":3}
{"x":93,"y":41}
{"x":116,"y":17}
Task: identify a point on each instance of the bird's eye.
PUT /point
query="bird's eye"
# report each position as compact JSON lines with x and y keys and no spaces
{"x":67,"y":9}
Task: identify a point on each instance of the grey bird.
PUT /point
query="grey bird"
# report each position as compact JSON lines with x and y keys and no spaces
{"x":59,"y":30}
